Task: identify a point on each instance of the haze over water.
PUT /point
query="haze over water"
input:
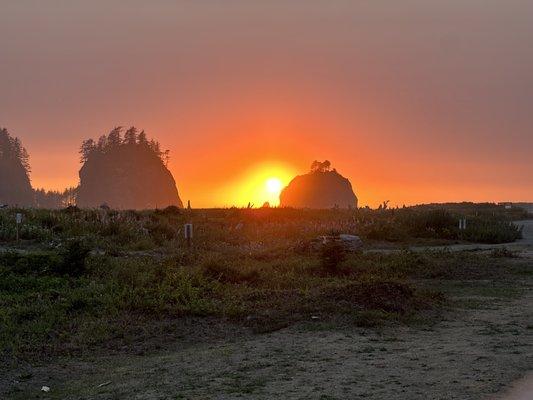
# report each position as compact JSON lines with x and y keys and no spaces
{"x":413,"y":102}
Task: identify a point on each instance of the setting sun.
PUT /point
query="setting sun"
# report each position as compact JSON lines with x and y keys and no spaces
{"x":257,"y":185}
{"x":274,"y":185}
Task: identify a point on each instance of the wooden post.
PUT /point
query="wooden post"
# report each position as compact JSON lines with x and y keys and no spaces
{"x":188,"y":234}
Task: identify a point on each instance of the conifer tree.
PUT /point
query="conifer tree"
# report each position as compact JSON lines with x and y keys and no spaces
{"x":15,"y":186}
{"x":114,"y":139}
{"x":130,"y":137}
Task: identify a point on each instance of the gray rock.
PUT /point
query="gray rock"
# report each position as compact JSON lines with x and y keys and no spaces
{"x":350,"y":243}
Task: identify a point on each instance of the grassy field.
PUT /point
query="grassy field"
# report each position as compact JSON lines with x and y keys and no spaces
{"x":81,"y":279}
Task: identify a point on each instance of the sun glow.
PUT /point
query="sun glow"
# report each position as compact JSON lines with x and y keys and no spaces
{"x":274,"y":185}
{"x":258,"y":185}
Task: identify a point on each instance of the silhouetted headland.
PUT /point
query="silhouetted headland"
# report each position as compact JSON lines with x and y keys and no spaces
{"x":125,"y":173}
{"x":15,"y":186}
{"x":322,"y":187}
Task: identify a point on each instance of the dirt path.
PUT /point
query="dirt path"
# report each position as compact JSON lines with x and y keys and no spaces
{"x":523,"y":246}
{"x":520,"y":390}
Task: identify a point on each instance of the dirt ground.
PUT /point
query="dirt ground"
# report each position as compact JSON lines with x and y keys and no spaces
{"x":472,"y":354}
{"x":520,"y":390}
{"x":476,"y":352}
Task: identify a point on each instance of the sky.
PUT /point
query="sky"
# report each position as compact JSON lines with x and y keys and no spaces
{"x":414,"y":101}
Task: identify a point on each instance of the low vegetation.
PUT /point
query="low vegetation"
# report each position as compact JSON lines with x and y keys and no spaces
{"x":79,"y":278}
{"x":145,"y":230}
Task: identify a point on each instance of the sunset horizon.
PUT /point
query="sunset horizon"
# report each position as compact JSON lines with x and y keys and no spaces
{"x":263,"y":200}
{"x":248,"y":184}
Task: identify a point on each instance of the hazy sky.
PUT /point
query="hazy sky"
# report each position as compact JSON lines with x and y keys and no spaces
{"x":413,"y":101}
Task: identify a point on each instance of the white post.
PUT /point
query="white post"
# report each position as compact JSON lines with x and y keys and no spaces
{"x":18,"y":220}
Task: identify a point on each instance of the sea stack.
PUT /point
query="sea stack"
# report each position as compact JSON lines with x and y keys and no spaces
{"x":129,"y":173}
{"x":322,"y":187}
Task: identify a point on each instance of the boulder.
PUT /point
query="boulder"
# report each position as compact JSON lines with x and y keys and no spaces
{"x":350,"y":243}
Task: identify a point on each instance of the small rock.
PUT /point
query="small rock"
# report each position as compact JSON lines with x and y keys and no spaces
{"x":45,"y":389}
{"x":351,"y":242}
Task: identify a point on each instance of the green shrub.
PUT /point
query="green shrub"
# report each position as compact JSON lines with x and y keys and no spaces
{"x":332,"y":254}
{"x":40,"y":263}
{"x":160,"y":231}
{"x":223,"y":272}
{"x":74,"y":258}
{"x":169,"y":211}
{"x":491,"y":231}
{"x":70,"y":261}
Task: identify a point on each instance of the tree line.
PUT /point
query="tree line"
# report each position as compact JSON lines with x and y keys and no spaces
{"x":11,"y":150}
{"x":115,"y":139}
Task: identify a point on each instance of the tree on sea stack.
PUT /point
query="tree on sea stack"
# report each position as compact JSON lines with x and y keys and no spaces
{"x":15,"y":186}
{"x":125,"y":173}
{"x":321,"y":187}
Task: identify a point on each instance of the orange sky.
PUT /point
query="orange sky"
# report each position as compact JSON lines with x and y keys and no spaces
{"x":427,"y":102}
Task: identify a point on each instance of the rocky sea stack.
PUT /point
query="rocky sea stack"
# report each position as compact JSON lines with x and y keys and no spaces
{"x":128,"y":173}
{"x":15,"y":186}
{"x":320,"y":188}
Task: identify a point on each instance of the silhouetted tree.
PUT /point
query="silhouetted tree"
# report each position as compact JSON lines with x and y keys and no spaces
{"x":166,"y":157}
{"x":113,"y":138}
{"x":130,"y":137}
{"x":15,"y":186}
{"x":21,"y":154}
{"x":318,"y":166}
{"x":101,"y":146}
{"x":142,"y":139}
{"x":156,"y":148}
{"x":55,"y":199}
{"x":69,"y":196}
{"x":87,"y":147}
